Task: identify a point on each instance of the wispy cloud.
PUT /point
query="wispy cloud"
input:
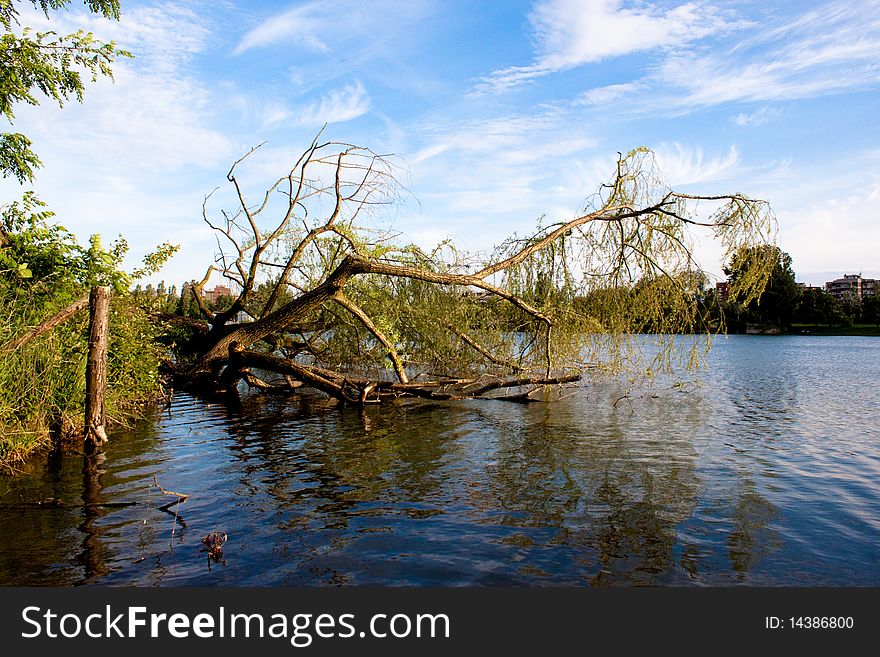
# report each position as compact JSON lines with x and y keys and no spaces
{"x":829,"y":51}
{"x":824,"y":51}
{"x":301,"y":25}
{"x":607,"y":94}
{"x":335,"y":106}
{"x":155,"y":113}
{"x":685,"y":165}
{"x":128,"y":159}
{"x":571,"y":33}
{"x":575,"y":32}
{"x":165,"y":36}
{"x":497,"y":175}
{"x":324,"y":25}
{"x":759,"y":117}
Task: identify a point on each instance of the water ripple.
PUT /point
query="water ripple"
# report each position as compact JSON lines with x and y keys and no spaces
{"x":767,"y":474}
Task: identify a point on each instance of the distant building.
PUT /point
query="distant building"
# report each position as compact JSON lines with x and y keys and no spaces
{"x":722,"y":290}
{"x":214,"y":295}
{"x":241,"y":317}
{"x":852,"y":284}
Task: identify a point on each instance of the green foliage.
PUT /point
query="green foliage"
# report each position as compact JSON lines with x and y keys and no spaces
{"x":35,"y":65}
{"x":155,"y":260}
{"x":43,"y":267}
{"x":16,"y":157}
{"x":817,"y":307}
{"x":42,"y":384}
{"x":52,"y":260}
{"x":850,"y":308}
{"x":775,"y":305}
{"x":871,"y":309}
{"x":36,"y":255}
{"x":632,"y":273}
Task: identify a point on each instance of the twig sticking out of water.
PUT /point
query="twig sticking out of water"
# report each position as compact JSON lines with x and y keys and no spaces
{"x":181,"y":497}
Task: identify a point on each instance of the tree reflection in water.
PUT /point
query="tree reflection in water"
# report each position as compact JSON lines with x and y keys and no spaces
{"x":577,"y":492}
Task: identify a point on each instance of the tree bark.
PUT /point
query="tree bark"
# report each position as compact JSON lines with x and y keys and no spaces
{"x":280,"y":319}
{"x":96,"y":367}
{"x":352,"y":265}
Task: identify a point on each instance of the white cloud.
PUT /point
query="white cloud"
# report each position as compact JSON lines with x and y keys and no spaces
{"x":335,"y":106}
{"x":828,"y":50}
{"x":823,"y":52}
{"x":715,"y":80}
{"x":273,"y":113}
{"x":607,"y":94}
{"x":144,"y":122}
{"x":575,"y":32}
{"x":154,"y":115}
{"x":683,"y":165}
{"x":839,"y":233}
{"x":131,"y":158}
{"x":302,"y":26}
{"x":827,"y":215}
{"x":759,"y":117}
{"x":491,"y":177}
{"x":323,"y":26}
{"x":502,"y":80}
{"x":571,"y":33}
{"x":428,"y":152}
{"x":163,"y":37}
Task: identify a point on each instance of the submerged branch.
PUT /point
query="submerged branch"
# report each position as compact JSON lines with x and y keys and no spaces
{"x":360,"y":390}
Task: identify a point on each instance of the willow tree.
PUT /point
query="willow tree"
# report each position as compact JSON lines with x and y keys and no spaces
{"x":328,"y":301}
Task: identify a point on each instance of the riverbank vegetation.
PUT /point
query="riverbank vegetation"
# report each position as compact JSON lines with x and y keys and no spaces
{"x":45,"y":273}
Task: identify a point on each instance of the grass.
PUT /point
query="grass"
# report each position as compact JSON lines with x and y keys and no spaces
{"x":855,"y":329}
{"x":42,"y":384}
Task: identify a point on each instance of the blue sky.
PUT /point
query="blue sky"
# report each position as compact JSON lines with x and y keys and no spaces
{"x":502,"y":111}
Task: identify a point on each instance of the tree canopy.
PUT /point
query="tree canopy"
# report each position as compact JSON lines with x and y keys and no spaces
{"x":777,"y":303}
{"x":871,"y":309}
{"x":45,"y":65}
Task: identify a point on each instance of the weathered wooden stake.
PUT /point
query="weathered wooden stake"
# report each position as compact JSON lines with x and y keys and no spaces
{"x":96,"y":367}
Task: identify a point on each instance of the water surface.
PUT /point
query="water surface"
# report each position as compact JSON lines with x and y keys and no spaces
{"x":768,"y":473}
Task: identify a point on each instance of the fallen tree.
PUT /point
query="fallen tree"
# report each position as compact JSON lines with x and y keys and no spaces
{"x":325,"y":300}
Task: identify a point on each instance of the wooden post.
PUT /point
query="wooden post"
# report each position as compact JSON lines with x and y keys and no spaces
{"x":96,"y":367}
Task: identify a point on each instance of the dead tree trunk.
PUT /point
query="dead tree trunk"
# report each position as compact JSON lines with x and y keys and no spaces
{"x":96,"y":367}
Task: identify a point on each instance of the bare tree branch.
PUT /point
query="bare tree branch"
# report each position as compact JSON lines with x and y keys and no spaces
{"x":44,"y":327}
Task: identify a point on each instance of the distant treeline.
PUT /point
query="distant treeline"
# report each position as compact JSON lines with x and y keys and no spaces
{"x":784,"y":303}
{"x":648,"y":304}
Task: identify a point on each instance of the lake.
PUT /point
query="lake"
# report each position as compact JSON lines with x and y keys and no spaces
{"x":766,"y":473}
